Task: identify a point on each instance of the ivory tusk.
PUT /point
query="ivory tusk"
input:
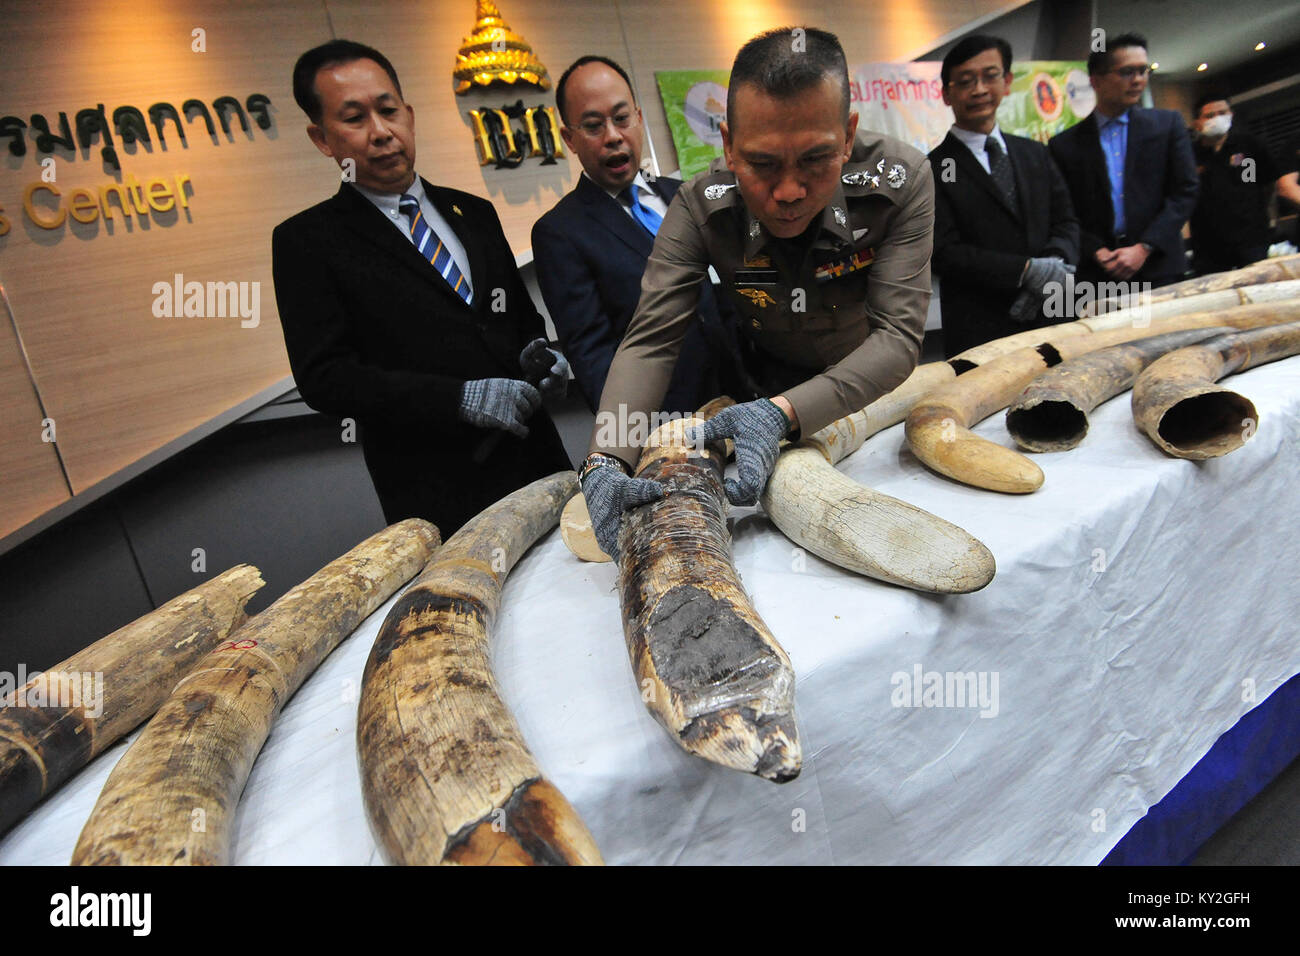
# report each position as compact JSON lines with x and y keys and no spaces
{"x":1141,"y":315}
{"x":130,"y":672}
{"x":860,"y":529}
{"x":1051,"y":413}
{"x":445,"y":772}
{"x":1266,"y":270}
{"x":196,"y":753}
{"x":1176,"y":402}
{"x":707,"y":666}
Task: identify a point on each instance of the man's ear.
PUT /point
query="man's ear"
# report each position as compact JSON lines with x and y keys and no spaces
{"x":317,"y":136}
{"x":851,"y":132}
{"x":725,"y":130}
{"x":566,"y":134}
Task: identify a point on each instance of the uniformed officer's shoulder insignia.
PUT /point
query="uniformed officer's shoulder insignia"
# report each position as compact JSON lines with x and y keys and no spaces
{"x":880,"y":166}
{"x":860,"y":178}
{"x":896,"y":176}
{"x":758,"y":297}
{"x":717,"y":190}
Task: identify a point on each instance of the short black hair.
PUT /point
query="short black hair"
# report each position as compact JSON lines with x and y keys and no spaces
{"x":973,"y":46}
{"x":784,"y":62}
{"x":583,"y":61}
{"x":1101,"y":61}
{"x":331,"y":54}
{"x":1208,"y":98}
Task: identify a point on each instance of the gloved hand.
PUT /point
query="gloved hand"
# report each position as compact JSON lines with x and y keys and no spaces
{"x":1041,"y":271}
{"x":609,"y":493}
{"x":545,"y":366}
{"x":504,"y":403}
{"x":757,"y":429}
{"x":1026,"y":308}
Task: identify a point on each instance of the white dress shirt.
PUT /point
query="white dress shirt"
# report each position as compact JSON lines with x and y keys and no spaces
{"x":975,"y":143}
{"x":388,"y":204}
{"x":649,"y":198}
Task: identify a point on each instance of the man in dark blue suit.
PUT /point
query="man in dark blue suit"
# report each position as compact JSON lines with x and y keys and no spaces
{"x":1130,"y":172}
{"x":591,"y":249}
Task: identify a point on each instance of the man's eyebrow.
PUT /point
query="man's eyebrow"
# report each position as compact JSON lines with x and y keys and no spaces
{"x":620,"y":105}
{"x":355,"y":103}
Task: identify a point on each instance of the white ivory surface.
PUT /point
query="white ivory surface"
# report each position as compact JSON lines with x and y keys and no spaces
{"x":1111,"y":684}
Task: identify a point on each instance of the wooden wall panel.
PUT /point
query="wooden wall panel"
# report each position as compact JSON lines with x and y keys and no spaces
{"x":119,"y":381}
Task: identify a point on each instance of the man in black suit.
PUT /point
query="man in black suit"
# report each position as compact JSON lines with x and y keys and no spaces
{"x":592,"y":248}
{"x":1003,"y":225}
{"x":402,"y":308}
{"x":1130,"y":172}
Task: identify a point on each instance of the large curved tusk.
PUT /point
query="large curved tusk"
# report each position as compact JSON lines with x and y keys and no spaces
{"x":860,"y":529}
{"x":938,"y":428}
{"x":1144,"y":314}
{"x":1051,"y":414}
{"x":1266,"y":270}
{"x":129,"y":673}
{"x":707,"y":666}
{"x":1176,"y":402}
{"x":445,"y":772}
{"x":196,"y":753}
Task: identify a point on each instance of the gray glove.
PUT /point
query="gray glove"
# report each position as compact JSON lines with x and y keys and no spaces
{"x":609,"y":493}
{"x":757,"y":429}
{"x":504,"y":403}
{"x":1027,"y":308}
{"x":545,"y":366}
{"x":1042,"y":271}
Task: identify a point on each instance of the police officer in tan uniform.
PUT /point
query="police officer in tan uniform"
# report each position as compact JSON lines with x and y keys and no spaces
{"x":822,"y":237}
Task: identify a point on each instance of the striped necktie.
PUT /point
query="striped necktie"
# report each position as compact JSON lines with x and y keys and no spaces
{"x":647,"y":217}
{"x":433,"y":249}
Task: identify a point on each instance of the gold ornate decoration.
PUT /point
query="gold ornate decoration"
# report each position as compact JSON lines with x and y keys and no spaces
{"x":494,"y":53}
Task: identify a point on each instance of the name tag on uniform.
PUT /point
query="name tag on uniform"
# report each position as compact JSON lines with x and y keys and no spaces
{"x":838,"y":268}
{"x":760,"y":277}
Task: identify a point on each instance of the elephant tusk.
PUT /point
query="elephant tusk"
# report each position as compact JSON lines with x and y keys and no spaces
{"x":707,"y":666}
{"x":860,"y":529}
{"x":1051,"y":414}
{"x":130,"y":673}
{"x":1178,"y":405}
{"x":196,"y":753}
{"x":1265,"y":271}
{"x":446,"y":774}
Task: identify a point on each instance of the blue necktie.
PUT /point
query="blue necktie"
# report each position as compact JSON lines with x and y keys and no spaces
{"x":647,"y":217}
{"x":433,"y":249}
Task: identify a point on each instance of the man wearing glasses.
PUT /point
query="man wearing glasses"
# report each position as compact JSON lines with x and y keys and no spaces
{"x":821,"y":234}
{"x":591,"y":249}
{"x":1130,"y":172}
{"x":1004,"y":229}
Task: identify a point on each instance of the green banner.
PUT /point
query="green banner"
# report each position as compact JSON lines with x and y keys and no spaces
{"x":1046,"y":97}
{"x":696,"y":102}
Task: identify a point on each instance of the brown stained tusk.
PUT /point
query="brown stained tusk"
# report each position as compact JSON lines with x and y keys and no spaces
{"x":575,"y":520}
{"x":707,"y":666}
{"x":1051,"y":413}
{"x":938,"y":428}
{"x":1213,"y":301}
{"x":445,"y":772}
{"x":189,"y":765}
{"x":1176,"y":402}
{"x":130,"y":673}
{"x":1266,"y":270}
{"x":860,"y":529}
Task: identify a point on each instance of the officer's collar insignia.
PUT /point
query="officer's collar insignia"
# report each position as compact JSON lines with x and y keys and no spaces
{"x":842,"y":267}
{"x":717,"y":190}
{"x":754,"y":229}
{"x":840,"y":218}
{"x":880,"y":166}
{"x":860,"y":178}
{"x":758,"y":297}
{"x":896,"y":176}
{"x":859,"y":233}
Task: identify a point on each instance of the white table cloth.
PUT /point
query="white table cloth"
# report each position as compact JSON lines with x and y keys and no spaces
{"x":1110,"y":684}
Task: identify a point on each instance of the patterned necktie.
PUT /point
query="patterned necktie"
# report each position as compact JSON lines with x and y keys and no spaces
{"x":433,"y":249}
{"x":647,"y":217}
{"x":1000,"y":170}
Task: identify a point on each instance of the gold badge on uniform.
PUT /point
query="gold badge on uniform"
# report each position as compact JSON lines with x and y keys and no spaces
{"x":758,"y":297}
